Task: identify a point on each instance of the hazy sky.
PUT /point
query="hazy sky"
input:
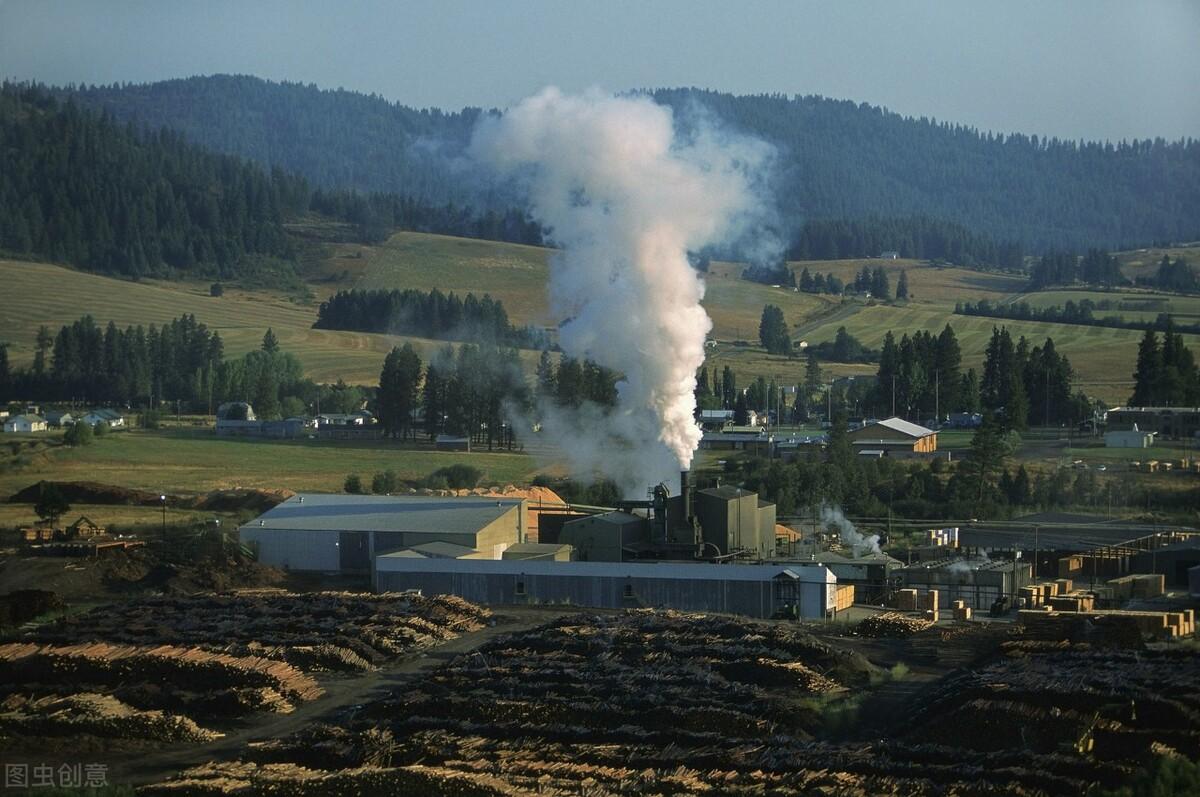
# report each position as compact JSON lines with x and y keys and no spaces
{"x":1084,"y":68}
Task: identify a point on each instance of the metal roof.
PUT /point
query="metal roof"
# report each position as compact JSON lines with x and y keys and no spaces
{"x":444,"y":549}
{"x":903,"y":427}
{"x":684,"y":571}
{"x":725,"y":491}
{"x":414,"y":513}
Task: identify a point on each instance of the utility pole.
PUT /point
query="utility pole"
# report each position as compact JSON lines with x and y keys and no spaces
{"x":937,"y":402}
{"x":893,"y":395}
{"x":1035,"y":552}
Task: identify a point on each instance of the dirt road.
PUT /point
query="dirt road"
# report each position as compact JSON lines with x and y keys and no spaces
{"x":341,"y":692}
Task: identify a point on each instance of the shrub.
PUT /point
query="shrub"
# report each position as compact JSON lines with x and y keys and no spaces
{"x":384,"y":483}
{"x":353,"y":484}
{"x":151,"y":419}
{"x":78,"y":434}
{"x":216,"y":289}
{"x":101,"y":429}
{"x":457,"y":476}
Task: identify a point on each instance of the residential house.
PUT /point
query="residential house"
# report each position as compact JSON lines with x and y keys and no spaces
{"x":114,"y":419}
{"x":25,"y":424}
{"x":59,"y":418}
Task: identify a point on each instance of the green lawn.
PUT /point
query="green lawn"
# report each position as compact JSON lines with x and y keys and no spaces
{"x":188,"y":462}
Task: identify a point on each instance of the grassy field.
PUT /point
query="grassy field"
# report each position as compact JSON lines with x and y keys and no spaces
{"x":53,"y":295}
{"x":180,"y":462}
{"x":1102,"y":358}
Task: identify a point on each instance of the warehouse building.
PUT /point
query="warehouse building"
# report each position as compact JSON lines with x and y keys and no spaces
{"x":752,"y":590}
{"x":346,"y":532}
{"x":1169,"y":422}
{"x":894,"y":437}
{"x":979,"y":582}
{"x":871,"y":574}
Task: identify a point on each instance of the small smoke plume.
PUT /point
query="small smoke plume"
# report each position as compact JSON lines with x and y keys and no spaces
{"x":626,"y":198}
{"x":966,"y":566}
{"x":858,"y":542}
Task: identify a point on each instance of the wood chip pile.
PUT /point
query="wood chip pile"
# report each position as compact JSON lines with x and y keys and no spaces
{"x":892,"y":624}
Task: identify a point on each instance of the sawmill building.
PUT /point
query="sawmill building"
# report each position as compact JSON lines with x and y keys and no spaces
{"x":752,"y":590}
{"x":344,"y":533}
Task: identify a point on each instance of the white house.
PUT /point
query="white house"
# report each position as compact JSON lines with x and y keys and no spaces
{"x":1128,"y":438}
{"x":25,"y":423}
{"x":114,"y":419}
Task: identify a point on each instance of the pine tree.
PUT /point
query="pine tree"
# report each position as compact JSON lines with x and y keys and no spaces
{"x":902,"y":285}
{"x":270,"y":344}
{"x":1147,"y":372}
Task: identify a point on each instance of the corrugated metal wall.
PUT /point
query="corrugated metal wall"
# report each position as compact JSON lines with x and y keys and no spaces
{"x":751,"y":598}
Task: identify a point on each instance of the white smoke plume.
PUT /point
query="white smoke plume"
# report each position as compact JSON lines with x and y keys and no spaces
{"x":625,"y":199}
{"x":858,"y":542}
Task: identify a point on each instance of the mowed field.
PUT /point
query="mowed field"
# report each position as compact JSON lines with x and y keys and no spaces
{"x":185,"y":462}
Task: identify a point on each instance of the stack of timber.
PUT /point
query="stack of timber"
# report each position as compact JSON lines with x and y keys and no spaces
{"x":892,"y":624}
{"x":1049,"y":622}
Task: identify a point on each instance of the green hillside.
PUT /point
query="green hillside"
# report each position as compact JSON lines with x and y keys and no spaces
{"x":1103,"y":358}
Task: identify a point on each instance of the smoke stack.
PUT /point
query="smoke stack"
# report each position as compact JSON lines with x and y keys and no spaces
{"x":685,"y":492}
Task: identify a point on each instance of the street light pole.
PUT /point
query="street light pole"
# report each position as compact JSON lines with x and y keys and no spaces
{"x":162,"y":499}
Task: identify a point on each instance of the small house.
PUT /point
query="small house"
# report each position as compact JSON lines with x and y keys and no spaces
{"x":25,"y":424}
{"x":58,"y":419}
{"x":83,"y":529}
{"x":114,"y":419}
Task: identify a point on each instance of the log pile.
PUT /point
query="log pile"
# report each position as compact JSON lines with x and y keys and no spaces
{"x":664,"y":703}
{"x":320,"y":631}
{"x":91,"y":714}
{"x":892,"y":624}
{"x":111,"y":665}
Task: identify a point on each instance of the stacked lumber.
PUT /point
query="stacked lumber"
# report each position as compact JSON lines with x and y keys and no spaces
{"x":1158,"y":624}
{"x":892,"y":624}
{"x":1138,"y":585}
{"x":906,"y":600}
{"x":844,"y":597}
{"x":961,"y":610}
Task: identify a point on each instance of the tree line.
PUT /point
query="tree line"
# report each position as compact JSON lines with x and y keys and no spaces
{"x":182,"y":363}
{"x":1070,"y":312}
{"x":472,"y":391}
{"x":911,"y":237}
{"x":431,"y":314}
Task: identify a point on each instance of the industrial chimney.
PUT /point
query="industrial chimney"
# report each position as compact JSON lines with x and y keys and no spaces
{"x":685,"y":494}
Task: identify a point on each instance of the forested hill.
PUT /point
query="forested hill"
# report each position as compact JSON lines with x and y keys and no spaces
{"x":839,"y":160}
{"x":80,"y":188}
{"x":336,"y":139}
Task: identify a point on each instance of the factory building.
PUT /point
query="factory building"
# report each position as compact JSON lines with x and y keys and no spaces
{"x":346,"y":532}
{"x":734,"y":520}
{"x":717,"y":523}
{"x":752,"y":590}
{"x":978,"y":582}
